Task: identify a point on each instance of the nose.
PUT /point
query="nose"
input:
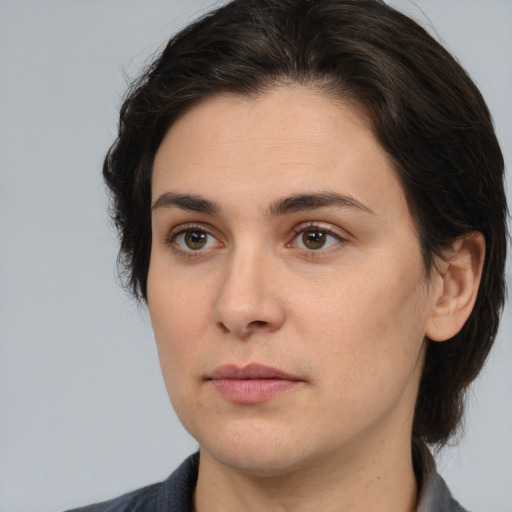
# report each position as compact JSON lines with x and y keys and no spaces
{"x":248,"y":300}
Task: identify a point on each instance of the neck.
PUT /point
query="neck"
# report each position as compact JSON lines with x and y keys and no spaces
{"x":380,"y":479}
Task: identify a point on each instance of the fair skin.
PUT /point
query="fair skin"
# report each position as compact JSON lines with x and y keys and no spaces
{"x":282,"y":238}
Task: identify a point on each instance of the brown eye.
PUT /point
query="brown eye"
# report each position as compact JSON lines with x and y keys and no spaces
{"x":314,"y":239}
{"x":195,"y":240}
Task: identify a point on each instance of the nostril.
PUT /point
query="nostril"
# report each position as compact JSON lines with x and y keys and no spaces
{"x":222,"y":327}
{"x":258,"y":323}
{"x":242,"y":330}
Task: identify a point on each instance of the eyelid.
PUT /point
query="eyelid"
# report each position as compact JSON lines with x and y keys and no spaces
{"x":188,"y":226}
{"x":170,"y":240}
{"x":340,"y":235}
{"x":321,"y":226}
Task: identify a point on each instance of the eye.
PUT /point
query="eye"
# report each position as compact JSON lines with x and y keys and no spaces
{"x":194,"y":240}
{"x":315,"y":238}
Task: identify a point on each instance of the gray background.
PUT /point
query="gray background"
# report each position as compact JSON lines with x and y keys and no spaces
{"x":84,"y":414}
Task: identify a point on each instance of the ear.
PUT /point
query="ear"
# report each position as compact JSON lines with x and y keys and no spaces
{"x":458,"y":280}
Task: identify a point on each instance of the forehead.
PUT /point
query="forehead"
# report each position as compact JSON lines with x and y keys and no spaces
{"x":282,"y":142}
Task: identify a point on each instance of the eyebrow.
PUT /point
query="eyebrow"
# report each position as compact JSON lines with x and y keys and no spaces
{"x":292,"y":204}
{"x":186,"y":202}
{"x":305,"y":202}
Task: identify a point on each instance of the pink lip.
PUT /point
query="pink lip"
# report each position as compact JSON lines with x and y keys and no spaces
{"x":251,"y":384}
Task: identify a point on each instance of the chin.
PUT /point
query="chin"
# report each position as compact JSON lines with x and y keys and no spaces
{"x":258,"y":453}
{"x":256,"y":462}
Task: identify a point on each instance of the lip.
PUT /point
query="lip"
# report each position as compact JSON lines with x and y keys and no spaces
{"x":251,"y":371}
{"x":251,"y":384}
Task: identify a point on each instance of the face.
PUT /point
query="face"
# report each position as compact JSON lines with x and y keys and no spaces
{"x":286,"y":286}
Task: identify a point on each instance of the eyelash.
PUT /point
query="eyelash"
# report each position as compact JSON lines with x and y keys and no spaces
{"x":173,"y":237}
{"x":171,"y":240}
{"x":315,"y":226}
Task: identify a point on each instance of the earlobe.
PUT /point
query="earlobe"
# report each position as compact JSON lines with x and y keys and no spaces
{"x":460,"y":271}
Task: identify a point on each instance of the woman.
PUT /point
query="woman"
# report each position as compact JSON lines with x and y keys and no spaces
{"x":302,"y":193}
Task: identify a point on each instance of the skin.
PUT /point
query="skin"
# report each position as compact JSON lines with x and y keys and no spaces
{"x":347,"y":319}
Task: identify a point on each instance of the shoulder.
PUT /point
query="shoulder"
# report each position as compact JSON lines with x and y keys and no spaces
{"x":140,"y":500}
{"x":173,"y":495}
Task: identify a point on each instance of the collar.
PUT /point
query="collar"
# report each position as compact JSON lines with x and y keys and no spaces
{"x":177,"y":492}
{"x":434,"y":495}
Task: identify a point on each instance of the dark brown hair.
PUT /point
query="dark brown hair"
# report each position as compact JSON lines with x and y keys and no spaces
{"x":425,"y":110}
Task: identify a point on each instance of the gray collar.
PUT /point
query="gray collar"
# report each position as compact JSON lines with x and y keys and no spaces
{"x":434,"y":493}
{"x":176,"y":494}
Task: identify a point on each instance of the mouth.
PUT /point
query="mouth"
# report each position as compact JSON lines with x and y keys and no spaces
{"x":251,"y":384}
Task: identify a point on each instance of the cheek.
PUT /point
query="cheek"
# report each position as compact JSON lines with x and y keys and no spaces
{"x":177,"y":304}
{"x":367,"y":330}
{"x":178,"y":314}
{"x":178,"y":319}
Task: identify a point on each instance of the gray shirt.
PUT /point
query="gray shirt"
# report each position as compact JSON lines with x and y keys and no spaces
{"x":175,"y":494}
